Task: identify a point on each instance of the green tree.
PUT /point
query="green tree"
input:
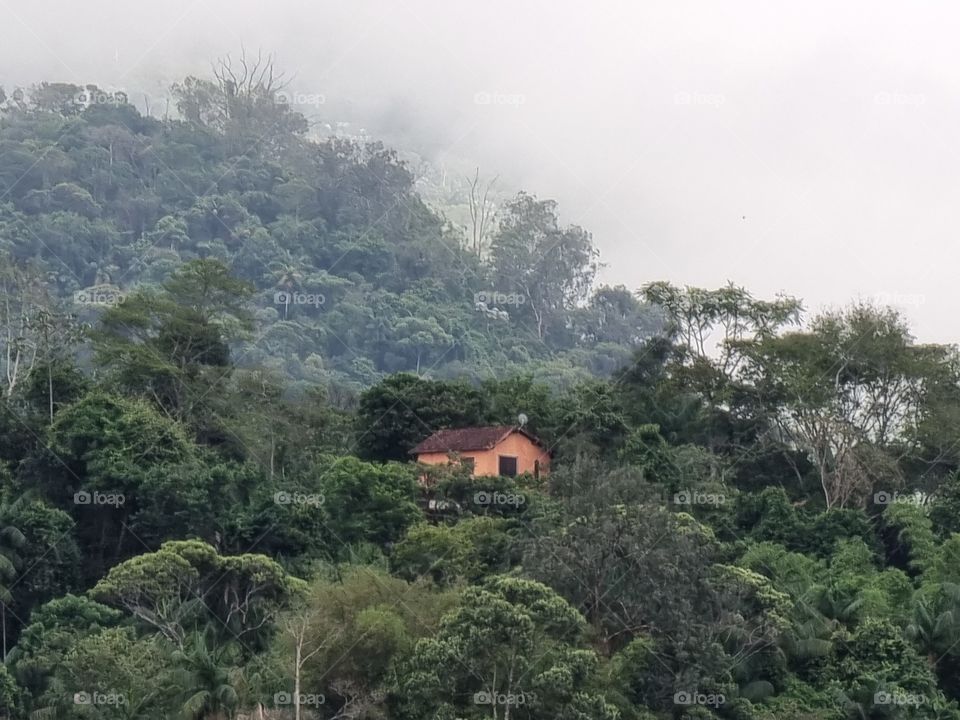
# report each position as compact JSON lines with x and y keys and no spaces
{"x":114,"y":663}
{"x":848,"y":392}
{"x":186,"y":584}
{"x":550,"y":267}
{"x":634,"y":569}
{"x":207,"y":678}
{"x":403,"y":409}
{"x":100,"y":453}
{"x":468,"y":550}
{"x":511,"y":646}
{"x":172,"y":346}
{"x":12,"y":541}
{"x":349,"y":630}
{"x":365,"y":502}
{"x":54,"y":630}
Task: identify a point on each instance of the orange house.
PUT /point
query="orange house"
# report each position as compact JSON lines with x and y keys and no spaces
{"x":493,"y":450}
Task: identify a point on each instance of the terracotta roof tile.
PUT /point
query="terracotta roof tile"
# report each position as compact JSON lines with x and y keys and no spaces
{"x":469,"y":438}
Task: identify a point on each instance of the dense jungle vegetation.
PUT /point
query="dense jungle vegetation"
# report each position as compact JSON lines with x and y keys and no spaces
{"x":221,"y":335}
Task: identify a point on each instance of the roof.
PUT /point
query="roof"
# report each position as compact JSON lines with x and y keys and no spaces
{"x":470,"y":438}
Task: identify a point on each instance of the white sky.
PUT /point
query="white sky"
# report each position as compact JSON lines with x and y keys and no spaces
{"x":832,"y":127}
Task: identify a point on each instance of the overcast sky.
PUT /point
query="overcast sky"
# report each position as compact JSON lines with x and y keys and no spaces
{"x":810,"y":148}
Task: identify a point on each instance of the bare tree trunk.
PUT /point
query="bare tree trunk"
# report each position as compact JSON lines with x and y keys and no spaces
{"x":50,"y":388}
{"x":480,"y":212}
{"x":296,"y":681}
{"x":273,"y":448}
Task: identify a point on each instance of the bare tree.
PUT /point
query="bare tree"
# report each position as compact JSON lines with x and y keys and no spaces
{"x":248,"y":78}
{"x":297,"y":626}
{"x":57,"y":335}
{"x":481,"y":211}
{"x":22,"y":299}
{"x":245,"y":100}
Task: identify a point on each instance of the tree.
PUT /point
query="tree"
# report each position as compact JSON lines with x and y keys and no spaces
{"x":877,"y":651}
{"x":49,"y":558}
{"x":246,"y":101}
{"x":616,"y":315}
{"x":510,"y":647}
{"x":114,"y":661}
{"x":635,"y":570}
{"x":185,"y":583}
{"x":22,"y":300}
{"x":295,"y":625}
{"x":506,"y":399}
{"x":166,"y":344}
{"x":694,"y":313}
{"x":54,"y":630}
{"x":367,"y":503}
{"x":551,"y":267}
{"x":108,"y":445}
{"x":11,"y":545}
{"x":207,"y":678}
{"x":850,"y":393}
{"x":935,"y":621}
{"x":945,"y":505}
{"x":350,"y":630}
{"x":423,"y":338}
{"x":466,"y":551}
{"x":403,"y":409}
{"x":481,"y":212}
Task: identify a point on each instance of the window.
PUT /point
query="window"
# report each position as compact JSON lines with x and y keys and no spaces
{"x":469,"y":463}
{"x":536,"y":469}
{"x":508,"y":466}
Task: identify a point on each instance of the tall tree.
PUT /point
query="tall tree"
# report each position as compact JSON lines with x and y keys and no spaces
{"x":851,"y":392}
{"x":23,"y":302}
{"x":482,"y":211}
{"x":551,"y":267}
{"x":174,"y":345}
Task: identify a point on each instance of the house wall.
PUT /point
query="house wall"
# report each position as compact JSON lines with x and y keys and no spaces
{"x":487,"y":462}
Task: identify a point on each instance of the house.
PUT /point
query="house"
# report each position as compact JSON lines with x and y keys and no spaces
{"x":491,"y":450}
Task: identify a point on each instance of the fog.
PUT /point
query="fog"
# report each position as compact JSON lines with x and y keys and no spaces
{"x":809,"y":149}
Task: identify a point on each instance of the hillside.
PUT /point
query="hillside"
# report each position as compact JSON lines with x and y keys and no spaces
{"x":354,"y":276}
{"x":220,"y":338}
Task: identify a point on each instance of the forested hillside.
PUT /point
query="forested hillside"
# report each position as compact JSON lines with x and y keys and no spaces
{"x":352,"y":276}
{"x":220,"y":339}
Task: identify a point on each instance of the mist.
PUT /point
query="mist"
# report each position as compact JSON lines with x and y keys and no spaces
{"x":804,"y":149}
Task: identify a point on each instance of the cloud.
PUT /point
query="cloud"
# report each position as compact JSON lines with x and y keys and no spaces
{"x":804,"y":148}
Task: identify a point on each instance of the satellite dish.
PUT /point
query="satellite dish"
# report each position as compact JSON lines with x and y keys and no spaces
{"x":522,"y":419}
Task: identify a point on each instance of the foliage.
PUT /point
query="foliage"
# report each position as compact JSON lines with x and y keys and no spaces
{"x":220,"y":337}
